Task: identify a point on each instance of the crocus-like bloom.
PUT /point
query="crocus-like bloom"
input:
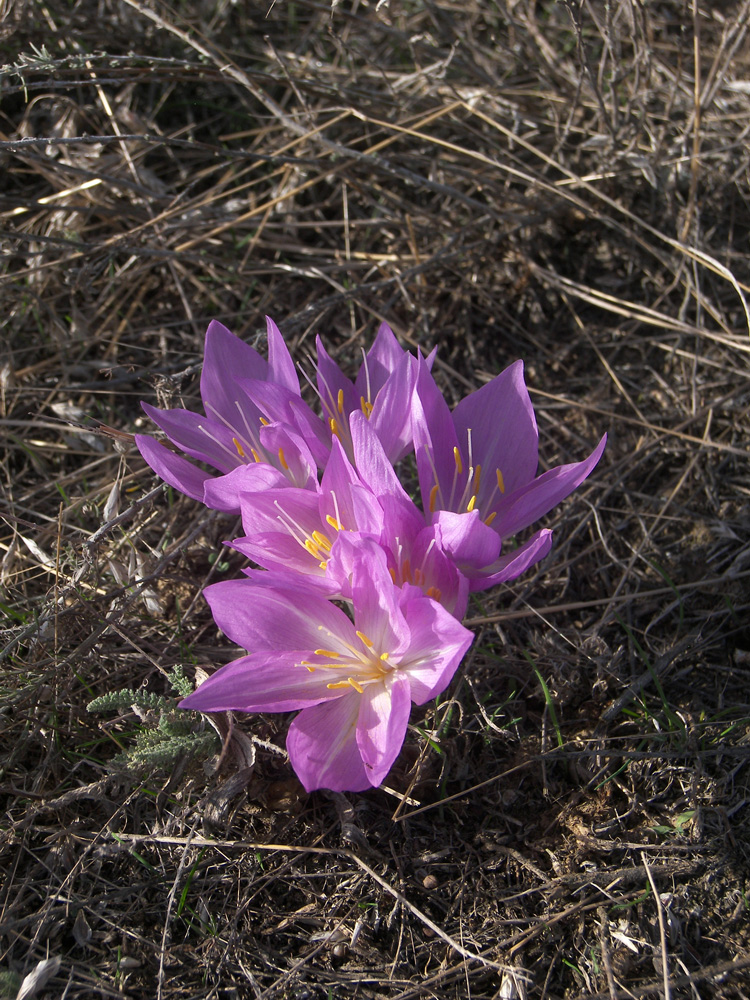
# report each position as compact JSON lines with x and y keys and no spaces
{"x":353,"y":680}
{"x":296,"y":530}
{"x":382,"y":391}
{"x":477,"y":473}
{"x":318,"y":534}
{"x":234,"y":436}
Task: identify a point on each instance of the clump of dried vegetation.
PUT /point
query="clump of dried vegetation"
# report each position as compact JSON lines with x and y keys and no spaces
{"x":564,"y":182}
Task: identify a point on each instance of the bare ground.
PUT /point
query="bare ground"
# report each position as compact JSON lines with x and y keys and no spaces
{"x":562,"y":182}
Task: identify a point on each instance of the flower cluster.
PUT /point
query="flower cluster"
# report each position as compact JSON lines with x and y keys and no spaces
{"x":329,"y":525}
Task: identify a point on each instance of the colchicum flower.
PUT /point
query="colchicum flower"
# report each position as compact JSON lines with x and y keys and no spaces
{"x":354,"y":681}
{"x":477,"y":473}
{"x":234,"y":434}
{"x":356,"y":537}
{"x":296,"y":530}
{"x":382,"y":392}
{"x":318,"y":534}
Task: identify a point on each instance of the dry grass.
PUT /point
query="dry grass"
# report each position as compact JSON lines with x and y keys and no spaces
{"x":564,"y":182}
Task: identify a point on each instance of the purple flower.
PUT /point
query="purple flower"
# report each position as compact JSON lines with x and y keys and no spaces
{"x":382,"y":392}
{"x":353,"y":680}
{"x":296,"y":530}
{"x":234,"y":436}
{"x":318,"y":534}
{"x":477,"y":472}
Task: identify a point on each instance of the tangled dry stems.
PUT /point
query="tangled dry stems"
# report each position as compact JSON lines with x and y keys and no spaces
{"x":567,"y":183}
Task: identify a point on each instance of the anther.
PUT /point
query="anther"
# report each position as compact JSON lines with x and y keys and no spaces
{"x":433,"y":497}
{"x":283,"y":460}
{"x":321,"y":542}
{"x":459,"y":463}
{"x":500,"y":482}
{"x":488,"y":520}
{"x":340,"y":401}
{"x":238,"y":446}
{"x":368,"y":642}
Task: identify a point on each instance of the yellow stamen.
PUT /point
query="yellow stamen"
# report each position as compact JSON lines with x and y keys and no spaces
{"x":336,"y":525}
{"x":312,"y":548}
{"x":323,"y":563}
{"x":500,"y":482}
{"x":368,"y":642}
{"x":334,"y":426}
{"x":282,"y":459}
{"x":326,"y":652}
{"x":433,"y":497}
{"x":384,"y":656}
{"x":366,"y":406}
{"x":433,"y":592}
{"x":477,"y":474}
{"x":406,"y":570}
{"x":340,"y":401}
{"x":459,"y":463}
{"x":488,"y":520}
{"x":470,"y":505}
{"x":238,"y":446}
{"x":320,"y":539}
{"x":264,"y":421}
{"x":393,"y":574}
{"x":349,"y":682}
{"x":255,"y":454}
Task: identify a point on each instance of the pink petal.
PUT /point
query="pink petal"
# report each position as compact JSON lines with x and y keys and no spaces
{"x":467,"y":539}
{"x":342,"y":491}
{"x":375,"y":600}
{"x":261,"y":619}
{"x":173,"y":469}
{"x":223,"y":492}
{"x":381,"y":727}
{"x":503,"y":430}
{"x":438,"y":644}
{"x":373,"y":465}
{"x":280,"y":364}
{"x":331,"y":382}
{"x":434,"y":440}
{"x":382,"y":359}
{"x":512,"y":564}
{"x":198,"y":436}
{"x":322,"y":745}
{"x":391,"y":416}
{"x":516,"y":511}
{"x":263,"y":682}
{"x":225,"y":358}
